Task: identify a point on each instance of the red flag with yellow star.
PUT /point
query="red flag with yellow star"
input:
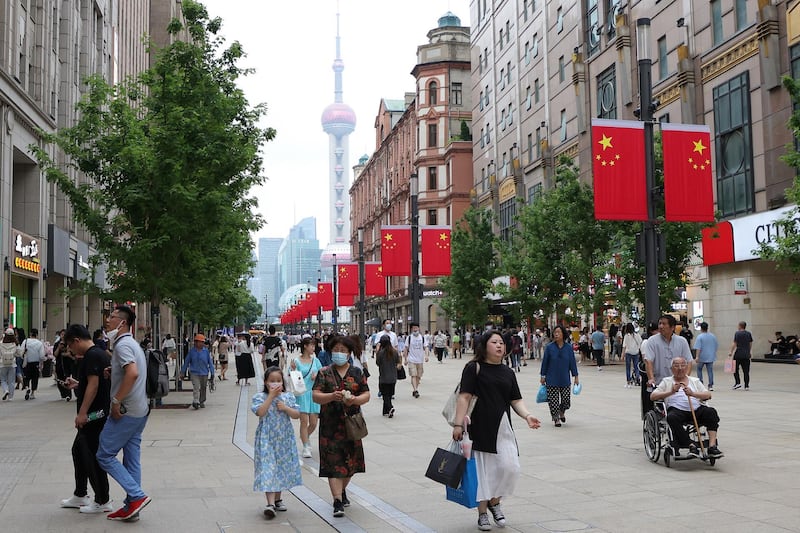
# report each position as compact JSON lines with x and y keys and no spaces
{"x":376,"y":283}
{"x":620,"y":188}
{"x":396,"y":250}
{"x":435,"y":248}
{"x":347,"y":274}
{"x":688,"y":181}
{"x":325,"y":296}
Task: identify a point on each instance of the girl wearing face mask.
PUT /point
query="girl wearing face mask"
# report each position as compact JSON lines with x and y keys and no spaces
{"x":339,"y":388}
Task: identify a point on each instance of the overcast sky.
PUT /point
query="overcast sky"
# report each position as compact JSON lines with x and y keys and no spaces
{"x":291,"y":45}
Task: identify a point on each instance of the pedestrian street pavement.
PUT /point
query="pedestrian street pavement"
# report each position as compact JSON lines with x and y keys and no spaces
{"x":590,"y":475}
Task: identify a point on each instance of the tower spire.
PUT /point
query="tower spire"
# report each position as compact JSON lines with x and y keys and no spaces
{"x":338,"y":64}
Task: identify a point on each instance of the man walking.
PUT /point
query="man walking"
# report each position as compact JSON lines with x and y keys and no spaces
{"x":93,"y":392}
{"x":661,"y":349}
{"x":129,"y":411}
{"x":32,"y":360}
{"x":200,"y":365}
{"x":705,"y":349}
{"x":598,"y":340}
{"x":416,"y":353}
{"x":740,"y":351}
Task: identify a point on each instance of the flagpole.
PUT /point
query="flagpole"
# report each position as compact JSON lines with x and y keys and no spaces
{"x":362,"y":280}
{"x":335,"y":312}
{"x":651,"y":299}
{"x":414,"y":289}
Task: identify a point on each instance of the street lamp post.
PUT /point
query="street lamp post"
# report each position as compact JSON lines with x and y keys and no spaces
{"x":266,"y":313}
{"x":319,"y":307}
{"x":335,"y":312}
{"x":414,"y":290}
{"x":651,"y":303}
{"x":361,"y":281}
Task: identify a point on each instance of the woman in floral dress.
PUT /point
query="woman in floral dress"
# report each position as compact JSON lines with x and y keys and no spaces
{"x":338,"y":388}
{"x":277,"y":467}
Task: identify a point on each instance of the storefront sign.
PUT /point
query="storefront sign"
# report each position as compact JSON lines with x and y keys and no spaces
{"x":25,"y":253}
{"x":739,"y":239}
{"x":508,"y":189}
{"x":739,"y":285}
{"x":433,"y":293}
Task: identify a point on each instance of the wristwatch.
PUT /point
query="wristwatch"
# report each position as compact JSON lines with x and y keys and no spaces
{"x":114,"y":401}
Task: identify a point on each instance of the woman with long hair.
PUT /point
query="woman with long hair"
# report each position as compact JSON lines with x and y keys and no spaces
{"x":309,"y":366}
{"x":388,"y":362}
{"x":493,"y":443}
{"x":631,"y":344}
{"x":244,"y":360}
{"x":557,"y":365}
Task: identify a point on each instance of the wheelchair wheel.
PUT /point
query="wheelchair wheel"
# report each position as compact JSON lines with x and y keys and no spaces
{"x":651,"y":436}
{"x":667,"y":456}
{"x":712,"y":461}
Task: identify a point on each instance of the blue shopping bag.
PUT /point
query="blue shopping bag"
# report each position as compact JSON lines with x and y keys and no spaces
{"x":541,"y":396}
{"x":466,"y":493}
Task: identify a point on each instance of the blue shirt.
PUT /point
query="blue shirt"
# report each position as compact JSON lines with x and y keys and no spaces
{"x":706,"y":346}
{"x":558,"y":364}
{"x":324,"y":358}
{"x":198,"y":362}
{"x":598,"y":340}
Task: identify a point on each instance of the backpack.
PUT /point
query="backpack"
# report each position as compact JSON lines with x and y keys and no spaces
{"x":8,"y":354}
{"x":272,"y":348}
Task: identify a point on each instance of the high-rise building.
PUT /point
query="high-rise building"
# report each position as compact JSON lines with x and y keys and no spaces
{"x":542,"y":70}
{"x":299,"y":255}
{"x":265,"y":287}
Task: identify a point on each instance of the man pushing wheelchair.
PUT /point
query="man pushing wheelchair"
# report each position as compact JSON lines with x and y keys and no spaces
{"x":684,"y":397}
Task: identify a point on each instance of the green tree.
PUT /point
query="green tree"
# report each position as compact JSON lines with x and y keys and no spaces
{"x":473,"y":268}
{"x":784,"y":250}
{"x":169,"y":160}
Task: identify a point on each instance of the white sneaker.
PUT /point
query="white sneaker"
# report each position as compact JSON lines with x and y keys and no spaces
{"x":96,"y":508}
{"x":76,"y":502}
{"x":307,"y":451}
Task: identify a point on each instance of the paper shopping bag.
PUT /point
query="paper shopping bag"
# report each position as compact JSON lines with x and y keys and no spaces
{"x":297,"y":384}
{"x":466,"y":493}
{"x":730,"y":366}
{"x":447,"y":467}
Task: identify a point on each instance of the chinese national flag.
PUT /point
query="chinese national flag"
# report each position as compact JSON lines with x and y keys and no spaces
{"x":396,"y":250}
{"x":346,"y":300}
{"x":325,"y":296}
{"x":435,"y":251}
{"x":348,"y":278}
{"x":620,"y":189}
{"x":688,"y":183}
{"x":312,"y":302}
{"x":376,"y":283}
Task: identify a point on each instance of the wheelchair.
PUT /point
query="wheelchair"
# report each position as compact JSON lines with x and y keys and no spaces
{"x":658,"y":438}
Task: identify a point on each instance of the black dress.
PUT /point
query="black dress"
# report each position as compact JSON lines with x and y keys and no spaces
{"x":244,"y":366}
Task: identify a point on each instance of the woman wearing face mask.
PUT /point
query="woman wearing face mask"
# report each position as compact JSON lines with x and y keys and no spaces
{"x":493,"y":443}
{"x":339,"y":388}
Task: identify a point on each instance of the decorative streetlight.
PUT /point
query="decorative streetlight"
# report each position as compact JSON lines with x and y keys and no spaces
{"x":414,"y":289}
{"x":646,"y":108}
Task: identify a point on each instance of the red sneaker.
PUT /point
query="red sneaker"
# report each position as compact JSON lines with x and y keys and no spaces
{"x":130,"y":510}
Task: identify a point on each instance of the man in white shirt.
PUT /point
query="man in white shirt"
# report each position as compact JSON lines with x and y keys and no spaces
{"x":32,"y":359}
{"x":414,"y":356}
{"x":387,"y":330}
{"x":677,"y":391}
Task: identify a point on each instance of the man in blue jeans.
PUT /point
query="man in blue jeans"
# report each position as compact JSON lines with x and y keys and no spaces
{"x":128,"y":414}
{"x":705,"y":350}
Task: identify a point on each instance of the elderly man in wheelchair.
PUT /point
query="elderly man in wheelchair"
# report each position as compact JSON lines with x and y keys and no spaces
{"x":684,"y":397}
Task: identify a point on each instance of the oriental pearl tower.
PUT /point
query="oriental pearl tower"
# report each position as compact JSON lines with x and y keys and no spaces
{"x":338,"y":121}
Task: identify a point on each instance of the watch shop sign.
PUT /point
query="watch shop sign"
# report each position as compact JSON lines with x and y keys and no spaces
{"x":25,"y":253}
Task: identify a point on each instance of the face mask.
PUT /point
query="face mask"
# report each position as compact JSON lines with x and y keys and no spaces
{"x":111,"y":335}
{"x":387,"y":327}
{"x":339,"y":358}
{"x":415,"y":332}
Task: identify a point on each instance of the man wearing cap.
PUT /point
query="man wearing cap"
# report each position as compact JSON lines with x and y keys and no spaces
{"x":200,"y":365}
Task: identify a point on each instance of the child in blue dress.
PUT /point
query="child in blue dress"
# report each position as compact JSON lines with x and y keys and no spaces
{"x":277,"y":466}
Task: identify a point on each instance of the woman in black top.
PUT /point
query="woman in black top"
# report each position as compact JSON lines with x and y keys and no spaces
{"x":493,"y":443}
{"x":388,"y":362}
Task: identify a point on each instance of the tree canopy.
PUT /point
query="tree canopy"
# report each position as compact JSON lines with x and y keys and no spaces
{"x":159,"y":171}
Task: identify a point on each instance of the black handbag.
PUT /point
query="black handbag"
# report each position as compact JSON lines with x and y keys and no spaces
{"x":447,"y":466}
{"x":401,"y":373}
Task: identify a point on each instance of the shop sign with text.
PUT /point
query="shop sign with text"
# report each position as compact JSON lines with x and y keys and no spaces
{"x":25,"y":253}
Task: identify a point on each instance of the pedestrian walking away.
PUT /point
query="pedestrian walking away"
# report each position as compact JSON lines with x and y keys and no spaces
{"x":8,"y":364}
{"x":93,"y":394}
{"x":631,"y":344}
{"x":494,"y":446}
{"x":705,"y":351}
{"x":277,"y":467}
{"x":388,"y":362}
{"x":128,"y":414}
{"x":32,"y":351}
{"x":558,"y":364}
{"x":741,"y":352}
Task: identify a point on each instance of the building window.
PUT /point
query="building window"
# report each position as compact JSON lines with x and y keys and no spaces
{"x":433,"y":93}
{"x":502,"y":78}
{"x":536,"y":90}
{"x":611,"y":18}
{"x":456,"y":92}
{"x":480,"y":63}
{"x":480,"y":102}
{"x":483,"y":139}
{"x":432,"y":219}
{"x":534,"y":193}
{"x":432,"y":135}
{"x":734,"y":149}
{"x":535,"y":45}
{"x":740,"y":14}
{"x":559,"y":20}
{"x":530,"y":147}
{"x":607,"y":93}
{"x":527,"y":53}
{"x":716,"y":21}
{"x":508,"y":212}
{"x":538,"y":143}
{"x":662,"y":58}
{"x":563,"y":125}
{"x":528,"y":97}
{"x":501,"y":39}
{"x":486,"y":96}
{"x":592,"y":27}
{"x":503,"y":119}
{"x":433,"y":181}
{"x":488,"y":134}
{"x":525,"y":10}
{"x":510,"y":114}
{"x":561,"y":72}
{"x":508,"y":72}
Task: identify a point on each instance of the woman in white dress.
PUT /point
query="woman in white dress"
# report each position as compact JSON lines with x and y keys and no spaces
{"x":493,"y":443}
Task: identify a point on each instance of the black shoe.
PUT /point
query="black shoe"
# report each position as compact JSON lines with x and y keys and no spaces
{"x":338,"y":508}
{"x":345,"y":501}
{"x":714,"y":452}
{"x":27,"y":394}
{"x":195,"y":406}
{"x":693,"y":451}
{"x":391,"y":415}
{"x":415,"y":394}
